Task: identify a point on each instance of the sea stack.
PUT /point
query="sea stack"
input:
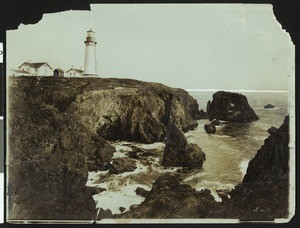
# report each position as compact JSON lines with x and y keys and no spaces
{"x":232,"y":107}
{"x":90,"y":64}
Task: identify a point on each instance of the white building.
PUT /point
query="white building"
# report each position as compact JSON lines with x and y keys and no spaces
{"x":74,"y":72}
{"x":19,"y":73}
{"x":33,"y":69}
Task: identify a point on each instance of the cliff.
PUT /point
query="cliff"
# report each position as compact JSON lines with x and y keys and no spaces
{"x":264,"y":192}
{"x":271,"y":163}
{"x":58,"y":129}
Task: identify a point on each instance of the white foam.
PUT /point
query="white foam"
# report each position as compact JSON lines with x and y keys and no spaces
{"x":244,"y":166}
{"x":125,"y":196}
{"x":155,"y":145}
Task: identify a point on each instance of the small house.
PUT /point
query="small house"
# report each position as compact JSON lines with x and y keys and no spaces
{"x":74,"y":72}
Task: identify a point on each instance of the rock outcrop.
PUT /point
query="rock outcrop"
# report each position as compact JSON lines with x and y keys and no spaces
{"x":179,"y":153}
{"x":169,"y":198}
{"x":121,"y":165}
{"x":232,"y":107}
{"x":271,"y":163}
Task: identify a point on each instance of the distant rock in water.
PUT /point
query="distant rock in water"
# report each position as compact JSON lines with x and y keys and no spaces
{"x":179,"y":153}
{"x":210,"y":128}
{"x":232,"y":107}
{"x":271,"y":163}
{"x":269,"y":106}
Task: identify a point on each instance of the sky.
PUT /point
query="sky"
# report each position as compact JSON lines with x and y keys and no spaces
{"x":190,"y":46}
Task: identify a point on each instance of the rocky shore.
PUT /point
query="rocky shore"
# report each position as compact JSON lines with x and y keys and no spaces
{"x":263,"y":194}
{"x":58,"y":129}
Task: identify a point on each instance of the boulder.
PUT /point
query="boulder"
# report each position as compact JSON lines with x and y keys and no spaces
{"x":122,"y":209}
{"x":272,"y":130}
{"x":269,"y":106}
{"x":141,"y":192}
{"x":138,"y":152}
{"x":232,"y":107}
{"x":104,"y":213}
{"x":121,"y":165}
{"x":179,"y":153}
{"x":216,"y":122}
{"x":133,"y":206}
{"x":95,"y":190}
{"x":210,"y":128}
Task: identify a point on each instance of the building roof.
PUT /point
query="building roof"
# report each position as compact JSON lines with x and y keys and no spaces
{"x":36,"y":65}
{"x":77,"y":70}
{"x":20,"y":71}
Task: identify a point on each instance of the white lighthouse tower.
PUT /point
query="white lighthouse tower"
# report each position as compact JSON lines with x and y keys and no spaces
{"x":90,"y":65}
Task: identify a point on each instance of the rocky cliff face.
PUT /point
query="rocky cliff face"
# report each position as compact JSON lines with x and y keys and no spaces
{"x":48,"y":163}
{"x":264,"y":192}
{"x":271,"y":163}
{"x":232,"y":107}
{"x":57,"y":131}
{"x":119,"y":108}
{"x":133,"y":114}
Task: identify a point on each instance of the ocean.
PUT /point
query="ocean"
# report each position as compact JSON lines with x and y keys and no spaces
{"x":227,"y":154}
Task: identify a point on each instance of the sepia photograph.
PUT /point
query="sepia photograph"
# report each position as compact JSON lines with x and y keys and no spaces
{"x":151,"y":113}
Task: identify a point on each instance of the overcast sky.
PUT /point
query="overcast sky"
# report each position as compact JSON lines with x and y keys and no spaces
{"x":203,"y":46}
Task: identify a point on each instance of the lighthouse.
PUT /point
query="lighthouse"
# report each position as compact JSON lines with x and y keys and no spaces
{"x":90,"y":65}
